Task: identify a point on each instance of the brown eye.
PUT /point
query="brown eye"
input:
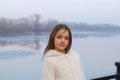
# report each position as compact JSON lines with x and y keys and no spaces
{"x":59,"y":37}
{"x":66,"y":38}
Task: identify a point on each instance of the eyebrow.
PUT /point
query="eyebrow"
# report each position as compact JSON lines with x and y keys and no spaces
{"x":61,"y":35}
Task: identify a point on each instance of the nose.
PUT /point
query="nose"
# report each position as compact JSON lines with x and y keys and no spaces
{"x":63,"y":39}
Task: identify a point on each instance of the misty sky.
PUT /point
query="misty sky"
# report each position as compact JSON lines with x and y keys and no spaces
{"x":85,"y":11}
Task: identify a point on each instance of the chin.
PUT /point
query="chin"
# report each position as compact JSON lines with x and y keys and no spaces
{"x":62,"y":49}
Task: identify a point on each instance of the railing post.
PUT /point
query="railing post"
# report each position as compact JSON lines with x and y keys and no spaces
{"x":117,"y":64}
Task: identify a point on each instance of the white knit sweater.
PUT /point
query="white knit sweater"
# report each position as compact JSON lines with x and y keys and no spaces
{"x":59,"y":66}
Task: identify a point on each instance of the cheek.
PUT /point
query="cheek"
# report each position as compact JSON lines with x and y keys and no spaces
{"x":55,"y":41}
{"x":67,"y":42}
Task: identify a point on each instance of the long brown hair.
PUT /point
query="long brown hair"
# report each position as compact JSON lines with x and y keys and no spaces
{"x":50,"y":44}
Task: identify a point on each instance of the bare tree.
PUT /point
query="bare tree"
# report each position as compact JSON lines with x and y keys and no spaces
{"x":36,"y":21}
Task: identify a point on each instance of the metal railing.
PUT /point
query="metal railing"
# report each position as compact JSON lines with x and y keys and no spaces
{"x":114,"y":76}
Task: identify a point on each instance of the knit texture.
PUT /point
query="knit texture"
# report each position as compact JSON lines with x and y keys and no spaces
{"x":59,"y":66}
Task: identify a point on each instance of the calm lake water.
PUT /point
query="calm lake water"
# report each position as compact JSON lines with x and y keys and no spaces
{"x":20,"y":57}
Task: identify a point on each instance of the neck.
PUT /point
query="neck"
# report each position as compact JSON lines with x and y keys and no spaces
{"x":62,"y":51}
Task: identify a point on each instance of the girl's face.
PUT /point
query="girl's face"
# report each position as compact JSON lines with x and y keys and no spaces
{"x":61,"y":40}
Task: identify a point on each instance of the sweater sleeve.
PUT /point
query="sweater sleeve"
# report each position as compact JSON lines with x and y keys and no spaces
{"x":82,"y":70}
{"x":48,"y":70}
{"x":82,"y":74}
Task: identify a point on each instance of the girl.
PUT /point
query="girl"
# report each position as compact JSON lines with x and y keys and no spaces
{"x":59,"y":62}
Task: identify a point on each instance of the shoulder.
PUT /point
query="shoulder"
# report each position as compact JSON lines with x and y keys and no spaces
{"x":72,"y":52}
{"x":47,"y":60}
{"x":48,"y":63}
{"x":75,"y":55}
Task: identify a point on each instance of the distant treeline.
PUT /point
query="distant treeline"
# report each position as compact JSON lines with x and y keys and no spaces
{"x":35,"y":25}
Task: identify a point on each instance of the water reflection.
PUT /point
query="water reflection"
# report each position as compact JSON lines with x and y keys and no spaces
{"x":19,"y":48}
{"x":33,"y":44}
{"x":93,"y":34}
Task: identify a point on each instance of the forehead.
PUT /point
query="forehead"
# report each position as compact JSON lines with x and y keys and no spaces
{"x":63,"y":32}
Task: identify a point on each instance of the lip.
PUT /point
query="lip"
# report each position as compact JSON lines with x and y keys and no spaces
{"x":62,"y":45}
